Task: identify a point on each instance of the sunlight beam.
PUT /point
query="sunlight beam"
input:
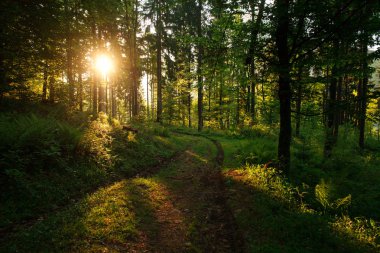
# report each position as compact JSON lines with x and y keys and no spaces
{"x":103,"y":64}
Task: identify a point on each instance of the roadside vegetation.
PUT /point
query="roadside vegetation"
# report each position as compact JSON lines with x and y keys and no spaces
{"x":323,"y":206}
{"x":51,"y":161}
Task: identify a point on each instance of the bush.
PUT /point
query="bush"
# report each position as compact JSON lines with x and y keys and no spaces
{"x":96,"y":141}
{"x":259,"y":151}
{"x":36,"y":156}
{"x":31,"y":144}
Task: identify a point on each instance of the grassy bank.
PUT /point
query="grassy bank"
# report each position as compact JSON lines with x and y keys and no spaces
{"x":324,"y":206}
{"x":160,"y":212}
{"x":48,"y":162}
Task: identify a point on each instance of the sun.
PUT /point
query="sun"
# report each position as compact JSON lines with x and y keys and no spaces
{"x":104,"y":64}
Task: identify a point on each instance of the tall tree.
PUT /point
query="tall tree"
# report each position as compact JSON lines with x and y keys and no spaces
{"x":284,"y":90}
{"x":159,"y":28}
{"x":199,"y":65}
{"x":250,"y":60}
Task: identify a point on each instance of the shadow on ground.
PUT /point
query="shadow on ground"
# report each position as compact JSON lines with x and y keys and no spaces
{"x":270,"y":225}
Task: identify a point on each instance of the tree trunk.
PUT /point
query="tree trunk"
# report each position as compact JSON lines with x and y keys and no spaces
{"x":45,"y":83}
{"x":94,"y":95}
{"x":284,"y":91}
{"x":255,"y":28}
{"x":3,"y":80}
{"x":189,"y":100}
{"x":238,"y":106}
{"x":94,"y":77}
{"x":69,"y":55}
{"x":331,"y":126}
{"x":221,"y":100}
{"x":147,"y":95}
{"x":339,"y":115}
{"x":135,"y":103}
{"x":363,"y":93}
{"x":199,"y":67}
{"x":51,"y":89}
{"x":101,"y":96}
{"x":80,"y":97}
{"x":159,"y":61}
{"x":189,"y":103}
{"x":298,"y":103}
{"x":106,"y":91}
{"x":113,"y":101}
{"x":253,"y":92}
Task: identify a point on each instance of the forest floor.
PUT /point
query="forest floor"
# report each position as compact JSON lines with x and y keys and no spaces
{"x":197,"y":198}
{"x":178,"y":206}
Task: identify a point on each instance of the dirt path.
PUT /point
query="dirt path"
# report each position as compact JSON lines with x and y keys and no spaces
{"x":194,"y":215}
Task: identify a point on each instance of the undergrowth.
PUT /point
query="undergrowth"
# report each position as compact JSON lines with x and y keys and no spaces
{"x":337,"y":197}
{"x":47,"y":162}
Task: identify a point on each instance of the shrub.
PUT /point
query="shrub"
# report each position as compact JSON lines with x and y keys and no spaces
{"x":30,"y":143}
{"x":96,"y":141}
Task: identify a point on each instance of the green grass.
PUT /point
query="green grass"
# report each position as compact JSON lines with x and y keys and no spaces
{"x":342,"y":217}
{"x":47,"y":163}
{"x":120,"y":217}
{"x":106,"y":217}
{"x":276,"y":218}
{"x":64,"y":187}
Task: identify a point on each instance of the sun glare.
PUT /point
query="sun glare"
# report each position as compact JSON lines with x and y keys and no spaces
{"x":104,"y":64}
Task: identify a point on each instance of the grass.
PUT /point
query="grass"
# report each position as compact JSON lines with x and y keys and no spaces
{"x":325,"y":205}
{"x":131,"y":215}
{"x":70,"y":186}
{"x":47,"y":163}
{"x":276,"y":218}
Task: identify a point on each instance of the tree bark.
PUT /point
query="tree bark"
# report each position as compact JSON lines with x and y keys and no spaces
{"x":113,"y":101}
{"x":189,"y":100}
{"x":363,"y":93}
{"x":147,"y":95}
{"x":3,"y":80}
{"x":135,"y":103}
{"x":332,"y":124}
{"x":69,"y":55}
{"x":298,"y":103}
{"x":101,"y":96}
{"x":159,"y":61}
{"x":80,"y":93}
{"x":199,"y":67}
{"x":94,"y":77}
{"x":45,"y":83}
{"x":255,"y":28}
{"x":284,"y":91}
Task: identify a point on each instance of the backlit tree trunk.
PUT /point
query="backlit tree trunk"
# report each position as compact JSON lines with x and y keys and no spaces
{"x":284,"y":91}
{"x":199,"y":67}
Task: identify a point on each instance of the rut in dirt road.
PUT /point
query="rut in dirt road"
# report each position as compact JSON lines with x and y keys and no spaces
{"x":201,"y":197}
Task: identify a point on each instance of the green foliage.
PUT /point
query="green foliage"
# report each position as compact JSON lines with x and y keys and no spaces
{"x":325,"y":194}
{"x":260,"y":151}
{"x":45,"y":162}
{"x":361,"y":229}
{"x":290,"y":222}
{"x":96,"y":142}
{"x":31,"y":143}
{"x":161,"y":131}
{"x":270,"y":181}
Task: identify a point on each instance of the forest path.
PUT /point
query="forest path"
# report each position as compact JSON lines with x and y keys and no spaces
{"x":192,"y":214}
{"x":178,"y":206}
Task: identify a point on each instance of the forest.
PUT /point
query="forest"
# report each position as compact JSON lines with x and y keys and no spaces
{"x":190,"y":126}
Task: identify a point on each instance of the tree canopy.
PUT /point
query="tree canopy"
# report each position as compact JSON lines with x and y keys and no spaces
{"x":210,"y":64}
